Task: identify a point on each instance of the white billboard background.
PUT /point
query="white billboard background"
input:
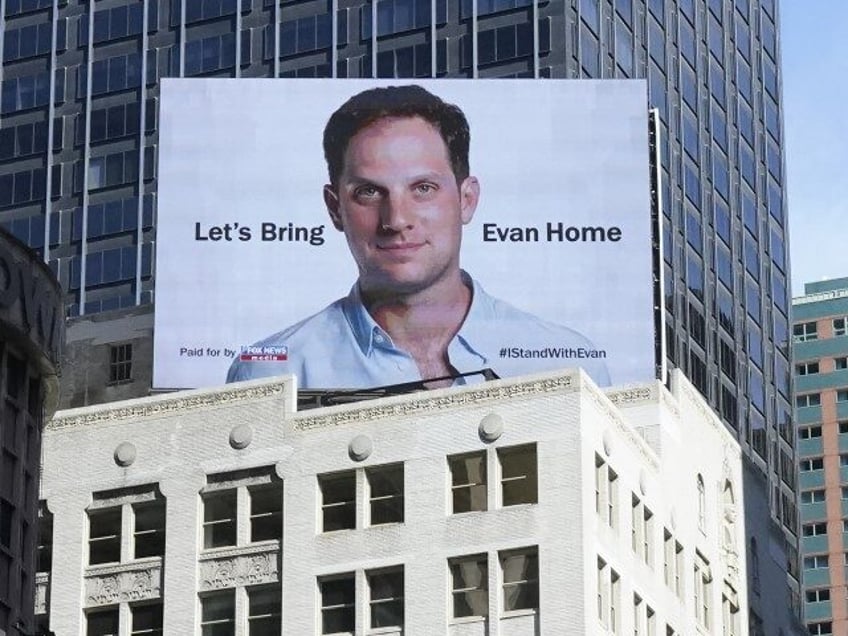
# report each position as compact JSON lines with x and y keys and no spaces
{"x":250,"y":151}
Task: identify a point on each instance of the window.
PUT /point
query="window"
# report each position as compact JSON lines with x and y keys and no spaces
{"x":702,"y":504}
{"x":703,"y":579}
{"x":820,"y":629}
{"x":146,"y":619}
{"x":840,"y":363}
{"x":815,"y":562}
{"x":638,"y":619}
{"x":242,"y":507}
{"x":812,"y":463}
{"x":380,"y":490}
{"x":219,"y":519}
{"x":338,"y":500}
{"x":843,"y":460}
{"x":266,"y":513}
{"x":840,"y":326}
{"x":385,"y":486}
{"x":606,"y":492}
{"x":23,"y":93}
{"x":520,"y":576}
{"x":808,"y":399}
{"x":44,"y":551}
{"x":209,"y":54}
{"x":149,"y":531}
{"x":804,"y":332}
{"x":104,"y":536}
{"x":812,"y":496}
{"x":469,"y":585}
{"x":729,"y":616}
{"x":385,"y":588}
{"x":218,"y":613}
{"x":120,"y":363}
{"x":810,"y":432}
{"x":518,"y":475}
{"x":338,"y":609}
{"x":468,"y":482}
{"x":807,"y":368}
{"x":263,"y":617}
{"x":113,"y":74}
{"x":818,"y":596}
{"x":608,"y":596}
{"x":843,"y":427}
{"x":642,"y":530}
{"x":102,"y":622}
{"x":814,"y":529}
{"x":672,"y":563}
{"x":842,"y":395}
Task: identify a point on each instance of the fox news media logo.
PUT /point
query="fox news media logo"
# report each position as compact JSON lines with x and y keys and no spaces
{"x":263,"y":354}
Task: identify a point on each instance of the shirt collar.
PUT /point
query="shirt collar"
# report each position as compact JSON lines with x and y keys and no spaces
{"x":369,"y":335}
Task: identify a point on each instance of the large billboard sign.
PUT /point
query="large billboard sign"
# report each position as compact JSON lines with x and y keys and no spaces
{"x":368,"y":233}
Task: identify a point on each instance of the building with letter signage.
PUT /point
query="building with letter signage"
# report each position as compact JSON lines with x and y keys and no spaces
{"x":226,"y":511}
{"x":31,"y":337}
{"x":80,"y":173}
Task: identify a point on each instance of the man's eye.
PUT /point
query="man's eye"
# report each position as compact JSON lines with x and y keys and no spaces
{"x":366,"y":192}
{"x":425,"y":188}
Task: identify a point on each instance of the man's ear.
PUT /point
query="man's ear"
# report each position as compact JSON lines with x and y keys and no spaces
{"x":469,"y":195}
{"x":331,"y":200}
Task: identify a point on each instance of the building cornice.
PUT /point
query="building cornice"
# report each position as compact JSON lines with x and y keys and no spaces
{"x":164,"y":405}
{"x":426,"y":402}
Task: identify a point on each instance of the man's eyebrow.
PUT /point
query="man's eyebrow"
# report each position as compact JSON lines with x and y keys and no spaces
{"x":430,"y":175}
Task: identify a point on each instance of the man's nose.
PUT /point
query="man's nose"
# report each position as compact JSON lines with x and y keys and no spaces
{"x":396,"y":214}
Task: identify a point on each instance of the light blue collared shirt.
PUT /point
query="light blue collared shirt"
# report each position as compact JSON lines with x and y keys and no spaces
{"x":342,"y":347}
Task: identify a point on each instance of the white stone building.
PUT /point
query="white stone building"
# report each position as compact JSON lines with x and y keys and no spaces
{"x":538,"y":505}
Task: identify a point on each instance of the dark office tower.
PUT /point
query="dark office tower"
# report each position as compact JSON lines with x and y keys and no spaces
{"x":31,"y":334}
{"x":78,"y":173}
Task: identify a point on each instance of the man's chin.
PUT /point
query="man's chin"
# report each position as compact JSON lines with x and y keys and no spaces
{"x":393,"y":286}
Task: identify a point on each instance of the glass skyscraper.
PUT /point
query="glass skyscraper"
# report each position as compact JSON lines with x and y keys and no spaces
{"x":78,"y":171}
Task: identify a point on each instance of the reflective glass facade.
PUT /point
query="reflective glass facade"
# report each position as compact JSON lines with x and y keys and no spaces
{"x":79,"y":131}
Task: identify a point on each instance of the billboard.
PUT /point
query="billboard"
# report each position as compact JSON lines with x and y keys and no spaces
{"x":349,"y":232}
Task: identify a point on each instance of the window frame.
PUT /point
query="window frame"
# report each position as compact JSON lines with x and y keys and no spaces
{"x":530,"y":582}
{"x":454,"y":567}
{"x":513,"y":471}
{"x":391,"y":502}
{"x":471,"y":486}
{"x":348,"y":506}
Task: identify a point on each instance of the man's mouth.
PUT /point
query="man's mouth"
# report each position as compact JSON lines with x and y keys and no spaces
{"x":400,"y":247}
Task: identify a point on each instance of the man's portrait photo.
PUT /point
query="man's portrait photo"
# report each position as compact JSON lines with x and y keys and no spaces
{"x":397,"y":260}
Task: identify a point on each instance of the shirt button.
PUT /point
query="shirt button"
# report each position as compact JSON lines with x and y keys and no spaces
{"x":378,"y":338}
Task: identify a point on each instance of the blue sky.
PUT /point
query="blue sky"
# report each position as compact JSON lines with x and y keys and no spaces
{"x":815,"y":96}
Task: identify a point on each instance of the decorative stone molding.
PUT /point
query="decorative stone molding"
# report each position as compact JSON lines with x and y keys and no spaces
{"x":421,"y":404}
{"x":698,"y":402}
{"x":670,"y":402}
{"x":42,"y":585}
{"x":636,"y":441}
{"x":239,"y":566}
{"x":633,"y":395}
{"x":107,"y":586}
{"x":160,"y":406}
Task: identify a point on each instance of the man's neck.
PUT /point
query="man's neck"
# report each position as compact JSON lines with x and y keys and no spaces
{"x":423,"y":323}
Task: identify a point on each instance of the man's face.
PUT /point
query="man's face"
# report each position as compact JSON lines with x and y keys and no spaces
{"x":400,"y":207}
